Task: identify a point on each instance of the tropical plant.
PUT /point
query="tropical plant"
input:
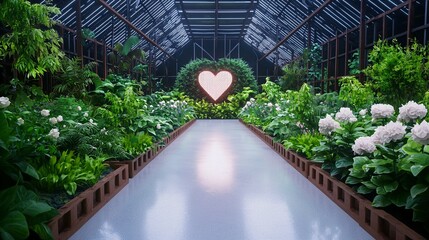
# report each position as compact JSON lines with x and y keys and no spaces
{"x":69,"y":171}
{"x":293,"y":76}
{"x":123,"y":55}
{"x":397,"y":74}
{"x":29,"y":42}
{"x":304,"y":143}
{"x":355,"y":93}
{"x":74,"y":80}
{"x":23,"y":213}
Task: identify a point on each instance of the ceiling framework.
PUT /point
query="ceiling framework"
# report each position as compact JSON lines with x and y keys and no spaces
{"x":275,"y":29}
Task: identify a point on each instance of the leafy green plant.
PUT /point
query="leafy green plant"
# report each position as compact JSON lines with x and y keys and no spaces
{"x":23,"y":212}
{"x":68,"y":171}
{"x":293,"y":75}
{"x":358,"y":95}
{"x":29,"y":42}
{"x":314,"y":60}
{"x":303,"y":143}
{"x":397,"y":74}
{"x":335,"y":151}
{"x":353,"y":63}
{"x":136,"y":144}
{"x":74,"y":80}
{"x":123,"y":55}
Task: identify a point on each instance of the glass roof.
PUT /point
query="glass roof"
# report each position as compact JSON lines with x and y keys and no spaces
{"x":260,"y":23}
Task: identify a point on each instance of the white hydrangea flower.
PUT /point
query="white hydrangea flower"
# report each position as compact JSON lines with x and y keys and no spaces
{"x":79,"y":108}
{"x":363,"y":112}
{"x":158,"y":126}
{"x":382,"y":111}
{"x":270,"y":105}
{"x":327,"y":125}
{"x":420,"y":133}
{"x":278,"y":109}
{"x":53,"y":120}
{"x":92,"y":122}
{"x":55,"y":133}
{"x":86,"y":114}
{"x":392,"y":131}
{"x":345,"y":115}
{"x":4,"y":102}
{"x":411,"y":111}
{"x":20,"y":121}
{"x":60,"y":118}
{"x":45,"y":112}
{"x":363,"y":145}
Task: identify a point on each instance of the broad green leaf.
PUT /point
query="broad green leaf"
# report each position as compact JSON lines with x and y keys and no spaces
{"x":343,"y":162}
{"x":33,"y":208}
{"x":364,"y":190}
{"x":15,"y":224}
{"x":420,"y":158}
{"x":352,"y":180}
{"x":391,"y":186}
{"x":418,"y":189}
{"x":28,"y":169}
{"x":381,"y":201}
{"x":43,"y":231}
{"x":416,"y":169}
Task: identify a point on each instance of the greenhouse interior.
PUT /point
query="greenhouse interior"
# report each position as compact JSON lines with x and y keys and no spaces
{"x":214,"y":119}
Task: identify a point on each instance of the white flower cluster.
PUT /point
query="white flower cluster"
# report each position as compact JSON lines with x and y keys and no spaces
{"x":54,"y":133}
{"x":20,"y":121}
{"x":420,"y":132}
{"x":363,"y":145}
{"x":158,"y":126}
{"x":363,"y":112}
{"x":327,"y":125}
{"x":382,"y":111}
{"x":4,"y":102}
{"x":392,"y":131}
{"x":345,"y":115}
{"x":411,"y":111}
{"x":55,"y":120}
{"x":45,"y":113}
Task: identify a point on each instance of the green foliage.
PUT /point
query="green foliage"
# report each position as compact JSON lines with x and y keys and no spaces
{"x":335,"y":151}
{"x":74,"y":80}
{"x":123,"y":55}
{"x":314,"y":60}
{"x":30,"y":42}
{"x":304,"y":143}
{"x":355,"y":93}
{"x":89,"y":139}
{"x":397,"y":74}
{"x":23,"y":211}
{"x":136,"y":144}
{"x":187,"y":77}
{"x":225,"y":110}
{"x":68,"y":171}
{"x":293,"y":75}
{"x":354,"y":65}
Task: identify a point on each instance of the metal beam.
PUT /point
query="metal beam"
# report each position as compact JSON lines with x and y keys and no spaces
{"x":362,"y":39}
{"x":118,"y":15}
{"x":248,"y":15}
{"x":325,"y":4}
{"x":182,"y":6}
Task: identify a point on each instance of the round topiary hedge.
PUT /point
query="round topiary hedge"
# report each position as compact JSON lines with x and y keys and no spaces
{"x":187,"y":77}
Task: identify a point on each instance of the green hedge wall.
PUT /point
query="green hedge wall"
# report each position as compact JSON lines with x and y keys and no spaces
{"x":187,"y":77}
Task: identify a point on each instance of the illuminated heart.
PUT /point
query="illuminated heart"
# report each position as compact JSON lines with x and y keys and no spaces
{"x":215,"y":86}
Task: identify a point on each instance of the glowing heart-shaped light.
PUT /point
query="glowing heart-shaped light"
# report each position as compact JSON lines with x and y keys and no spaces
{"x":215,"y":85}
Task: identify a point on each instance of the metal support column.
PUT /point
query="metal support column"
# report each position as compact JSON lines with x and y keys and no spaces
{"x":362,"y":39}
